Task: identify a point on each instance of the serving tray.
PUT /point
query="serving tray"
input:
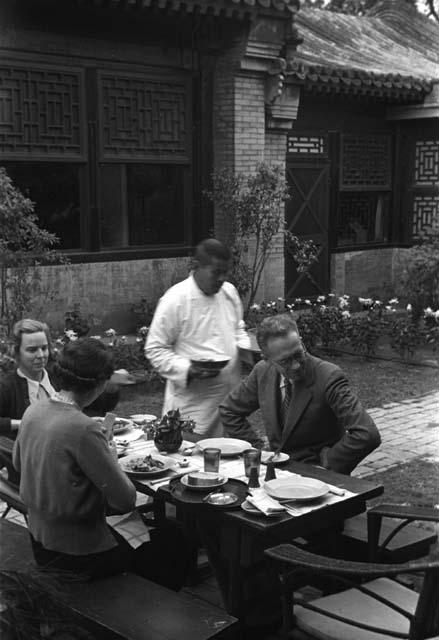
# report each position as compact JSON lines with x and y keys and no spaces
{"x":196,"y":498}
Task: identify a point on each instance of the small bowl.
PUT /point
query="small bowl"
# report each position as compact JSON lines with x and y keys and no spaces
{"x":222,"y":499}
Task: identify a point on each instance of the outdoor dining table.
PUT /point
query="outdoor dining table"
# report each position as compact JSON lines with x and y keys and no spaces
{"x":235,"y":540}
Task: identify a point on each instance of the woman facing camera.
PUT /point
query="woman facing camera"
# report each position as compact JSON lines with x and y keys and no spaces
{"x":69,"y":475}
{"x":29,"y":381}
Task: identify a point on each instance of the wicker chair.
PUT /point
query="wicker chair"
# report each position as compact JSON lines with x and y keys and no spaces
{"x":371,"y":606}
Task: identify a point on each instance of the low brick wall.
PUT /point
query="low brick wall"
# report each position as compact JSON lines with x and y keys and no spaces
{"x":371,"y":272}
{"x":107,"y":290}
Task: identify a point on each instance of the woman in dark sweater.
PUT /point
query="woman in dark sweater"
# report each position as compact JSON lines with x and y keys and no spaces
{"x":70,"y":478}
{"x":69,"y":475}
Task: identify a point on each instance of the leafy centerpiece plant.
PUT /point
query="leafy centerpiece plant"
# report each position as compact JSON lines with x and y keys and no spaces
{"x":168,"y":431}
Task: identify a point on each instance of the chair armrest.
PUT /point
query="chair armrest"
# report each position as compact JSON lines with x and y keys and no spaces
{"x":405,"y":511}
{"x":288,"y":554}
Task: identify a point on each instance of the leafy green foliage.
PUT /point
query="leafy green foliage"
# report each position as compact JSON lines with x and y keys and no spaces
{"x":254,"y":207}
{"x":418,"y":282}
{"x":24,"y":247}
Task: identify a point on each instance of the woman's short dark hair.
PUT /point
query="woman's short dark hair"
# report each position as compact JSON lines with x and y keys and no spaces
{"x":277,"y":326}
{"x":83,"y":364}
{"x":27,"y":325}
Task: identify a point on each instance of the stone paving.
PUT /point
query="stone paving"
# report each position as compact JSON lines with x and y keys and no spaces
{"x":409,"y":429}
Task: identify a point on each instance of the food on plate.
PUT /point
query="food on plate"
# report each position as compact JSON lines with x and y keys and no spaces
{"x":203,"y":479}
{"x":144,"y":464}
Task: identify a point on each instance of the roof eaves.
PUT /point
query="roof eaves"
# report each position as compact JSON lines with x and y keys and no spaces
{"x":355,"y":79}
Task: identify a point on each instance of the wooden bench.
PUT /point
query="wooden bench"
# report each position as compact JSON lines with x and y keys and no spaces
{"x":124,"y":607}
{"x":410,"y":543}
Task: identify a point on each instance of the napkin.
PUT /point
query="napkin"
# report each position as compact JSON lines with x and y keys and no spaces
{"x":263,"y":502}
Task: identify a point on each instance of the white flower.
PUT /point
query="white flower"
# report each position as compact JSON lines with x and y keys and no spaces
{"x":71,"y":334}
{"x":255,"y":307}
{"x":298,"y":300}
{"x":345,"y":314}
{"x":428,"y":312}
{"x":394,"y":301}
{"x":378,"y":303}
{"x":290,"y":306}
{"x":139,"y":339}
{"x":110,"y":333}
{"x":331,"y":295}
{"x":143,"y":329}
{"x":281,"y":299}
{"x":111,"y":344}
{"x":307,"y":301}
{"x":96,"y":337}
{"x":409,"y":307}
{"x":388,"y":308}
{"x":342,"y":303}
{"x":321,"y":298}
{"x":436,"y":314}
{"x":366,"y":302}
{"x":58,"y":341}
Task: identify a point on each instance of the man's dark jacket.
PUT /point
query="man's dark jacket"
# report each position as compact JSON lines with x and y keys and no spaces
{"x":326,"y":423}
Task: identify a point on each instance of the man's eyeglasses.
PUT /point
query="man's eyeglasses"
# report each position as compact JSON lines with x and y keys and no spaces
{"x":285,"y":363}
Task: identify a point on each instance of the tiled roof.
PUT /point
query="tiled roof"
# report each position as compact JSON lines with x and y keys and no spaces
{"x":393,"y":52}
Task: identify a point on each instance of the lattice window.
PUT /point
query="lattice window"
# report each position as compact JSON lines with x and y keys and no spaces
{"x":427,"y":162}
{"x":40,"y":112}
{"x":307,"y":145}
{"x":362,"y":218}
{"x":144,"y":118}
{"x":365,"y":162}
{"x":425,"y":215}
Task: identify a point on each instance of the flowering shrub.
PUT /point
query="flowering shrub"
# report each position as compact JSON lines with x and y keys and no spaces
{"x":329,"y":322}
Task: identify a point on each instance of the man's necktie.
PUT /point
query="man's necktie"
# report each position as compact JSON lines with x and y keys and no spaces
{"x":285,"y":404}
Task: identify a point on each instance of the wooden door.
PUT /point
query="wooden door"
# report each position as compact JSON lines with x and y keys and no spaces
{"x":307,"y":214}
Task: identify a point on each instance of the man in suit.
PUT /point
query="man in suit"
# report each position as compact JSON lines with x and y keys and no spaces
{"x":307,"y":406}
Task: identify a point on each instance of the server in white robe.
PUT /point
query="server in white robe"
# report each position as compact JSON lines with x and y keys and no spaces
{"x":200,"y":318}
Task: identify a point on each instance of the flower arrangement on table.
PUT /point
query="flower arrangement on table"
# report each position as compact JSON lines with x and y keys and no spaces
{"x":168,"y":431}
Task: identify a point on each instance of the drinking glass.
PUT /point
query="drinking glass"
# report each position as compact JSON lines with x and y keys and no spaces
{"x":252,"y":459}
{"x":212,"y":459}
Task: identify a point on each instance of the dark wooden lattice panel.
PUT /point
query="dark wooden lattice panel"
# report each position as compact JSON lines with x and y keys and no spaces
{"x":365,"y":162}
{"x":427,"y":162}
{"x":425,"y":215}
{"x":361,"y":218}
{"x":40,"y":113}
{"x":307,"y":145}
{"x":144,"y":118}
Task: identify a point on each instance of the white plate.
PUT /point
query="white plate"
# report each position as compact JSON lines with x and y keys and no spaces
{"x":129,"y":436}
{"x":120,"y":424}
{"x":142,"y":418}
{"x":249,"y":508}
{"x":229,"y":446}
{"x":209,"y":487}
{"x":280,"y":457}
{"x":167,"y":464}
{"x":300,"y":489}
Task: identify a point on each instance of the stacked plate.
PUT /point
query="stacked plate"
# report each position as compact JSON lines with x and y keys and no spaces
{"x":229,"y":446}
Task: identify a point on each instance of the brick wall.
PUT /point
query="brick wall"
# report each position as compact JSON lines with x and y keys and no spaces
{"x":366,"y":273}
{"x":107,"y":290}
